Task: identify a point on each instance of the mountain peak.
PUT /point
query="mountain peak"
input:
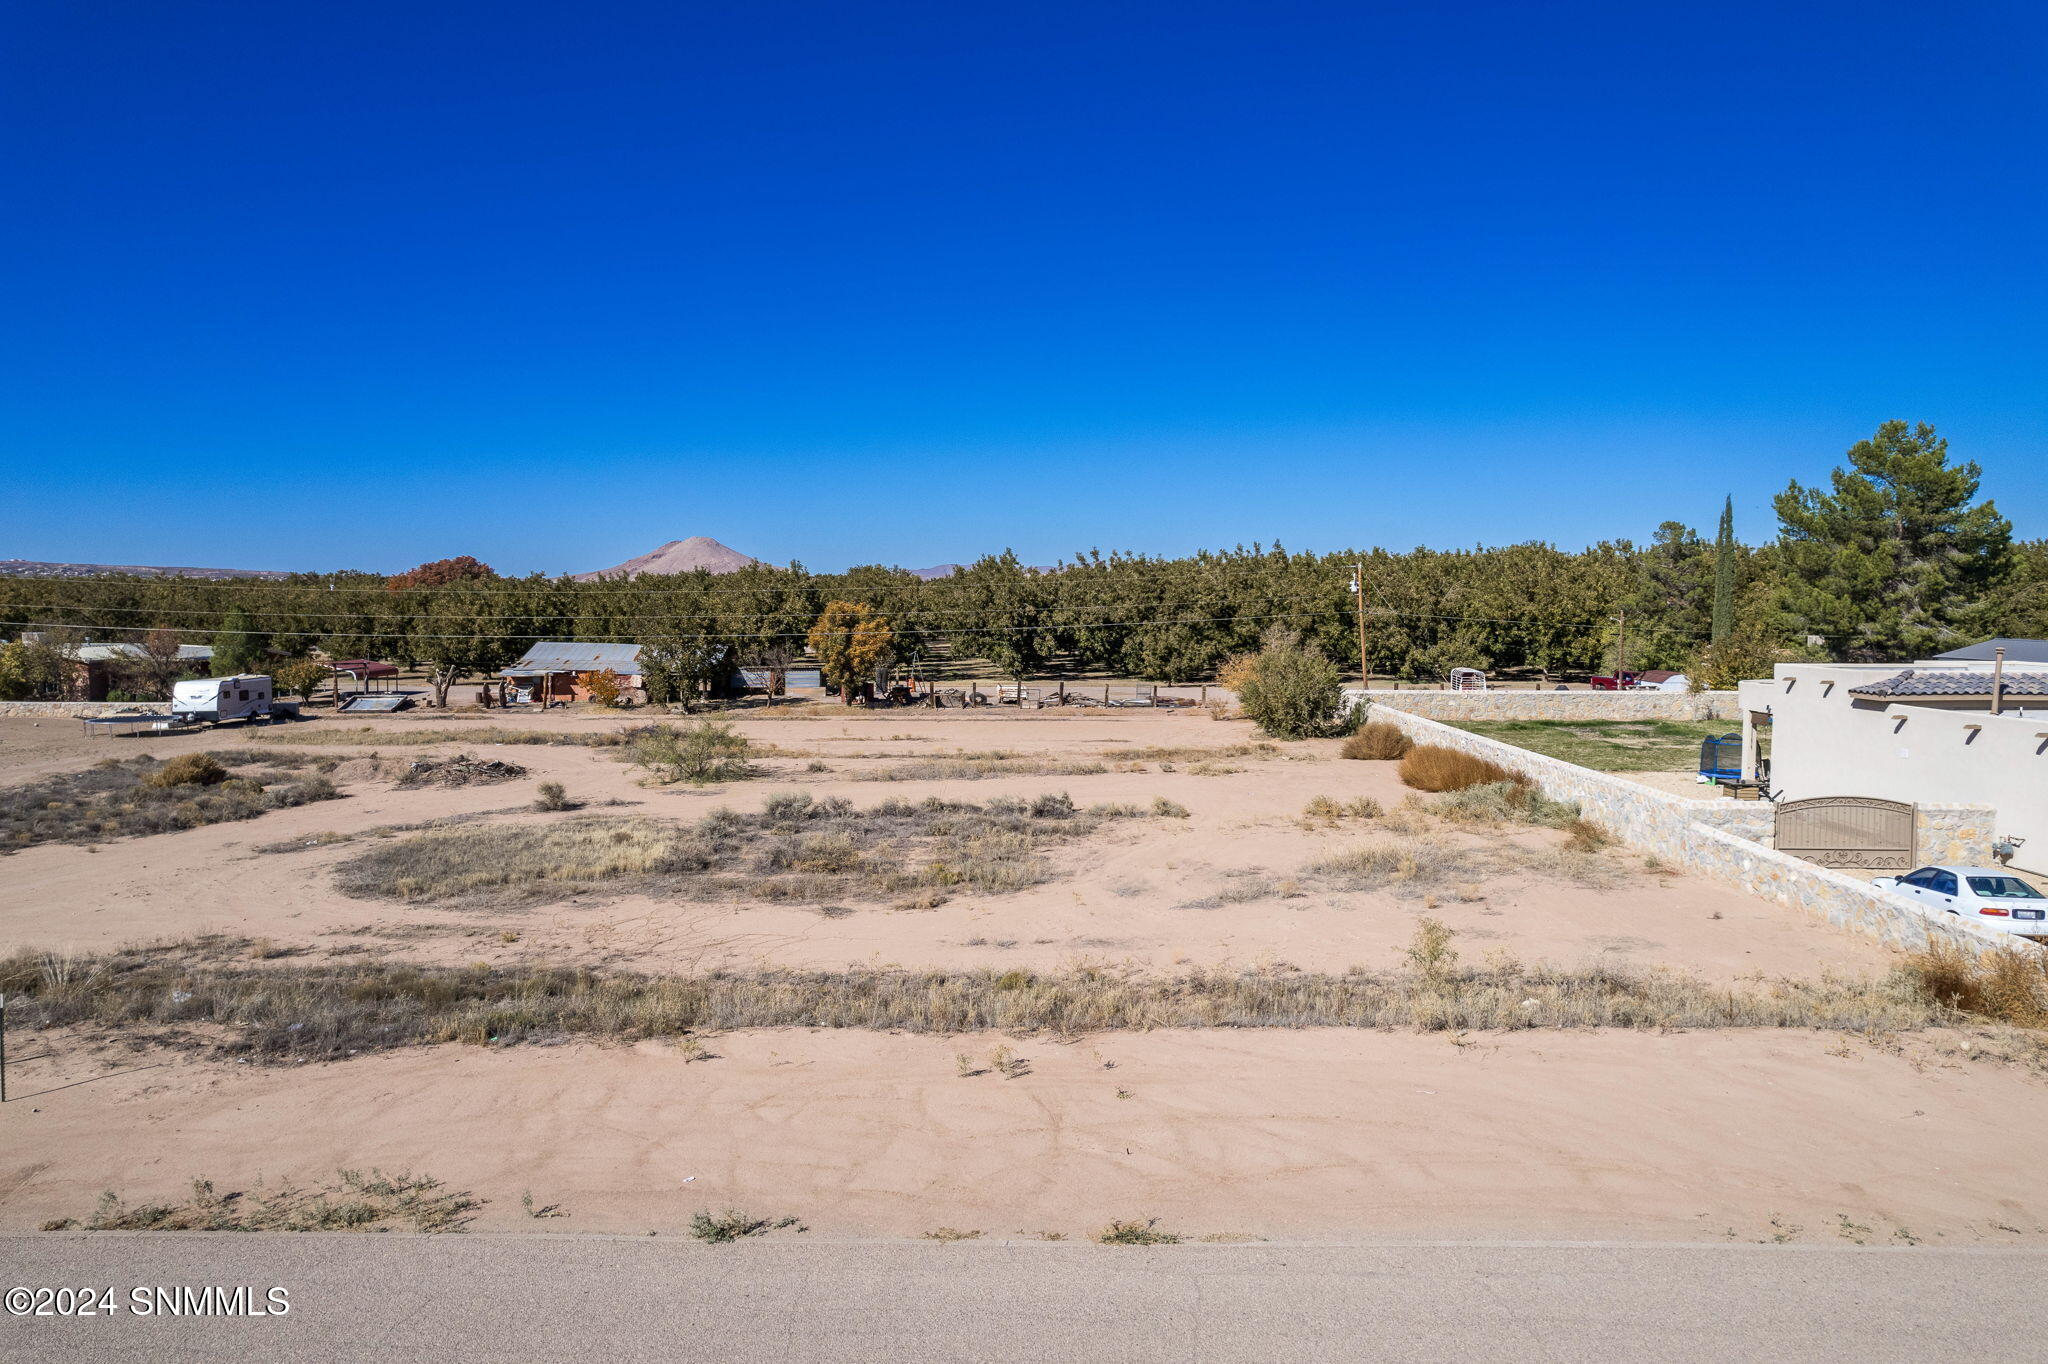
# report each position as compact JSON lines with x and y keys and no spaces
{"x":677,"y":556}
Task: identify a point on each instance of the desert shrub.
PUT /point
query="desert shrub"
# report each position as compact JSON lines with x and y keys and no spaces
{"x":734,"y":1225}
{"x":1136,"y":1233}
{"x":1415,"y":864}
{"x":1430,"y":954}
{"x":706,"y":752}
{"x":1168,"y":809}
{"x":604,"y":687}
{"x":1496,"y":802}
{"x":1379,"y":741}
{"x":1585,"y":836}
{"x":188,"y":769}
{"x":1293,"y":692}
{"x":553,"y":796}
{"x":1432,"y":767}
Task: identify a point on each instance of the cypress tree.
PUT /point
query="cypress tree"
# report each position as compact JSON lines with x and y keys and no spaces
{"x":1724,"y":574}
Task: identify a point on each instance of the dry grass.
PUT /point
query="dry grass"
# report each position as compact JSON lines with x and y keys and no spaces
{"x":1500,"y":802}
{"x":353,"y":1201}
{"x":793,"y":848}
{"x":978,"y":766}
{"x":1432,"y":767}
{"x":733,"y":1225}
{"x":2009,"y":984}
{"x":1193,"y":753}
{"x":1379,"y":742}
{"x":206,"y":995}
{"x":132,"y":797}
{"x":409,"y":735}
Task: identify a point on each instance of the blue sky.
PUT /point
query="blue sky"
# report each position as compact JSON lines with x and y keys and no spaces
{"x":293,"y":286}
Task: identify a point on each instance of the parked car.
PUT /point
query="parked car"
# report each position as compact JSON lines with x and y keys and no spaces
{"x":1992,"y":896}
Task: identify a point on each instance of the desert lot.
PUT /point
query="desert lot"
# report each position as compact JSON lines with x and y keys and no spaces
{"x":929,"y":858}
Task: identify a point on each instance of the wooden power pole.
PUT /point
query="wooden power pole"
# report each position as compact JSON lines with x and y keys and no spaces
{"x":1358,"y":590}
{"x":1621,"y":648}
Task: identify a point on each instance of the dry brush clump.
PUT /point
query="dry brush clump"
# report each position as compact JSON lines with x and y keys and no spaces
{"x":2008,"y":984}
{"x":794,"y":848}
{"x":1432,"y":767}
{"x":131,"y":797}
{"x":1378,"y":742}
{"x":196,"y":997}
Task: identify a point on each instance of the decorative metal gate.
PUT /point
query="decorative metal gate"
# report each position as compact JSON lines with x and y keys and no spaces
{"x":1849,"y":831}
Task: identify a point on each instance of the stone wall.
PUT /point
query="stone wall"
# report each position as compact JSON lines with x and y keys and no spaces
{"x":1697,"y":836}
{"x":1959,"y":834}
{"x":1555,"y":705}
{"x":67,"y":708}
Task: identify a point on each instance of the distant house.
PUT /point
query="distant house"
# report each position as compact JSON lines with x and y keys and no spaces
{"x":561,"y":670}
{"x":1964,"y":729}
{"x":100,"y":665}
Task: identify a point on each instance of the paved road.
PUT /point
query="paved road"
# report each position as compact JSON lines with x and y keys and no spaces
{"x":462,"y":1298}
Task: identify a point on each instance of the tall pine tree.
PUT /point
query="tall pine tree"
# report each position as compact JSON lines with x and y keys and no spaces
{"x":1896,"y":559}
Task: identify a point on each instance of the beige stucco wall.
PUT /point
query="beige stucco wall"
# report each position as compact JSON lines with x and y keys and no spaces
{"x":1825,"y":743}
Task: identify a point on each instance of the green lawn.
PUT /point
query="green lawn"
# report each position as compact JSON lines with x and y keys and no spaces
{"x":1610,"y":745}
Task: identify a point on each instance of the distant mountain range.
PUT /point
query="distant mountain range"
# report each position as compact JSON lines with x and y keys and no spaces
{"x":36,"y":568}
{"x":677,"y":556}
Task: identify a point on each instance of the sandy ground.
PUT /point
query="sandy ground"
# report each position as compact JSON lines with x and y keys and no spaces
{"x":1147,"y":892}
{"x":1749,"y":1135}
{"x":1741,"y":1135}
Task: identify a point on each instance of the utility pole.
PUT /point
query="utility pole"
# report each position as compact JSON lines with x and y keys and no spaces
{"x":3,"y":1049}
{"x":1621,"y":648}
{"x":1358,"y":591}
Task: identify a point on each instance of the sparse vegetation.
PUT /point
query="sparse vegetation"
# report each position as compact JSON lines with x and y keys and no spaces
{"x":207,"y":996}
{"x":793,"y":848}
{"x":552,"y":795}
{"x":1497,"y":802}
{"x":1378,"y":742}
{"x":1324,"y":810}
{"x":977,"y":766}
{"x":463,"y":769}
{"x":353,"y":1201}
{"x":131,"y":797}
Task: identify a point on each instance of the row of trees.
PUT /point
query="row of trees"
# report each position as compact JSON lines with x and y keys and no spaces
{"x":1895,"y":558}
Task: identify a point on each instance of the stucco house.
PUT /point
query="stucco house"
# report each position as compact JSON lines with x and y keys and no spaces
{"x":1968,"y":728}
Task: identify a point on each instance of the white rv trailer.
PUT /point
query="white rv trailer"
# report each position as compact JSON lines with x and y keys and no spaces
{"x":245,"y":696}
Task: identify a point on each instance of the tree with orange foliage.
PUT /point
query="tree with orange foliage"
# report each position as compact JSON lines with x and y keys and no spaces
{"x":851,"y":640}
{"x":463,"y":568}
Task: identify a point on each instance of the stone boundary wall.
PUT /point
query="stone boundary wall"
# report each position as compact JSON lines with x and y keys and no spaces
{"x":1673,"y":830}
{"x":67,"y":708}
{"x":1555,"y":705}
{"x":1959,"y":834}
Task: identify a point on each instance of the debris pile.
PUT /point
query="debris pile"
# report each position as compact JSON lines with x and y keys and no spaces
{"x":464,"y":769}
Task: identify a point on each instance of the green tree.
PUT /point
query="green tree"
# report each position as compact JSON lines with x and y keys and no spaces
{"x":1896,"y":558}
{"x":850,"y":641}
{"x":1724,"y":574}
{"x":238,"y":646}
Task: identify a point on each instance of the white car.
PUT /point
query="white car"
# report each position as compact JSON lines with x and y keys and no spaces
{"x":1992,"y":896}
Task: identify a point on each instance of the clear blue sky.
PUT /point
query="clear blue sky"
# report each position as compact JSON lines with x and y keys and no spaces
{"x":357,"y":285}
